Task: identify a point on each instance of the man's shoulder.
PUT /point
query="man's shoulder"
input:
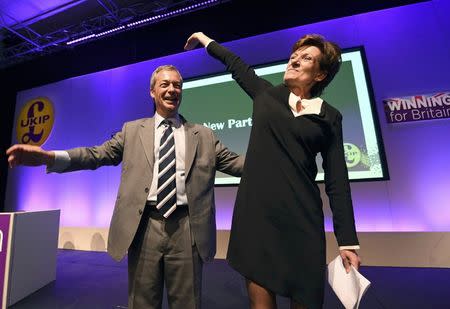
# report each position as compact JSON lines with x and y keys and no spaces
{"x":203,"y":132}
{"x":194,"y":126}
{"x":201,"y":127}
{"x":138,"y":122}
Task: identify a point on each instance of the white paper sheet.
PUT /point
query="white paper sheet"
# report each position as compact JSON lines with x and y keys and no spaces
{"x":350,"y":287}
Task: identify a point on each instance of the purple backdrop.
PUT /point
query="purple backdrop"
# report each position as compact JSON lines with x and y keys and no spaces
{"x":408,"y":52}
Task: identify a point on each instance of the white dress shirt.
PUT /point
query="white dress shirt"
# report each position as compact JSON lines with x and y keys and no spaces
{"x":311,"y":106}
{"x":180,"y":154}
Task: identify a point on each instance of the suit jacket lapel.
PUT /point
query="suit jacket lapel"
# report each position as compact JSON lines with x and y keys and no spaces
{"x":191,"y":145}
{"x":147,"y":136}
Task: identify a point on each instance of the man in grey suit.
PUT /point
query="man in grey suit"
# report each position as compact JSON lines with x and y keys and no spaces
{"x":165,"y":245}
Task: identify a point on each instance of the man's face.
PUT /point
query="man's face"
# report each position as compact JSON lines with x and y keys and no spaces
{"x":167,"y":93}
{"x":303,"y":69}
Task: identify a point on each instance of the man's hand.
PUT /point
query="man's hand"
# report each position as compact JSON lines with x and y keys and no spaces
{"x":195,"y":39}
{"x":350,"y":257}
{"x":29,"y":155}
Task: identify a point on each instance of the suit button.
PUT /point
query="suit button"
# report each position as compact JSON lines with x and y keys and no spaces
{"x":140,"y":211}
{"x":146,"y":190}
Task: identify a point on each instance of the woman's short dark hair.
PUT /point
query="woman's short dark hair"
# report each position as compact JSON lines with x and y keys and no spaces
{"x":329,"y":62}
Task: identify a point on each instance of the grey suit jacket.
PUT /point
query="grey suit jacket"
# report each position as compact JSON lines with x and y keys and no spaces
{"x":133,"y":146}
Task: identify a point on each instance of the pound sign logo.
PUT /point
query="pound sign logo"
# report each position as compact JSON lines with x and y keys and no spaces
{"x":35,"y":122}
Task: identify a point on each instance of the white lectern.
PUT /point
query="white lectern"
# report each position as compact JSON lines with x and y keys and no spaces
{"x":28,"y":247}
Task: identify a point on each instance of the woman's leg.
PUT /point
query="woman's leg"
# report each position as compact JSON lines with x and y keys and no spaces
{"x":295,"y":305}
{"x":260,"y":297}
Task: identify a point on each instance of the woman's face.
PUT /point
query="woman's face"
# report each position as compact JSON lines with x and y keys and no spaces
{"x":303,"y":69}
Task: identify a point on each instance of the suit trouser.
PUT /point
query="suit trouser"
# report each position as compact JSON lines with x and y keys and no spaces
{"x":163,"y":252}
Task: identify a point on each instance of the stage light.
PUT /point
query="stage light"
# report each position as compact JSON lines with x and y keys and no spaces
{"x":148,"y":20}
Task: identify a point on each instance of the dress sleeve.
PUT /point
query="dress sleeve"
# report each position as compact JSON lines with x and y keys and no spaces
{"x":337,"y":186}
{"x":241,"y":72}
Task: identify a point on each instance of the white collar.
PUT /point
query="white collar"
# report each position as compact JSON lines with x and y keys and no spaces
{"x":310,"y":106}
{"x":176,"y":121}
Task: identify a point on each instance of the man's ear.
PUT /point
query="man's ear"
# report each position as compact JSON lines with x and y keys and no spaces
{"x":152,"y":94}
{"x":320,"y":76}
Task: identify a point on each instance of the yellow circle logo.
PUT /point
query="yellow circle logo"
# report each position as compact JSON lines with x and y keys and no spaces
{"x":352,"y":154}
{"x":35,"y":122}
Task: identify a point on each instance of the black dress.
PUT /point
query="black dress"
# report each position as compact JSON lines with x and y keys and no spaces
{"x":277,"y":235}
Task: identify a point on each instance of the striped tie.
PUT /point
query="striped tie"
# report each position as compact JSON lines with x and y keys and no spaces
{"x":167,"y":191}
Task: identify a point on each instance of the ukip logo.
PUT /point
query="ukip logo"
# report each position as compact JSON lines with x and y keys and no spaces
{"x":35,"y":122}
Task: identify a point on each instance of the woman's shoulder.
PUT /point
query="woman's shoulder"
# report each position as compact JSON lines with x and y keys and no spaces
{"x":280,"y":92}
{"x":330,"y":110}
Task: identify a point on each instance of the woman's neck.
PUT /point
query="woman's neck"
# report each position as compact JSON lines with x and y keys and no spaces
{"x":303,"y":93}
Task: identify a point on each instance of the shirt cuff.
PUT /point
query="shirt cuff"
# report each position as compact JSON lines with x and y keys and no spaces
{"x":62,"y":161}
{"x":206,"y":46}
{"x":355,"y":247}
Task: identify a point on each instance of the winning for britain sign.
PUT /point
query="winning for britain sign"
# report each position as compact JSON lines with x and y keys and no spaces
{"x":417,"y":107}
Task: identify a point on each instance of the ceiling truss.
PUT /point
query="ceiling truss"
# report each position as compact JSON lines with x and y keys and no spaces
{"x":26,"y":42}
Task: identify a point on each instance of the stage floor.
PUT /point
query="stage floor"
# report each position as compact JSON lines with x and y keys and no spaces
{"x":87,"y":280}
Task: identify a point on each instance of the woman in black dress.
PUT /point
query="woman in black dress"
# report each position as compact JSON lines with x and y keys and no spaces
{"x":277,"y":239}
